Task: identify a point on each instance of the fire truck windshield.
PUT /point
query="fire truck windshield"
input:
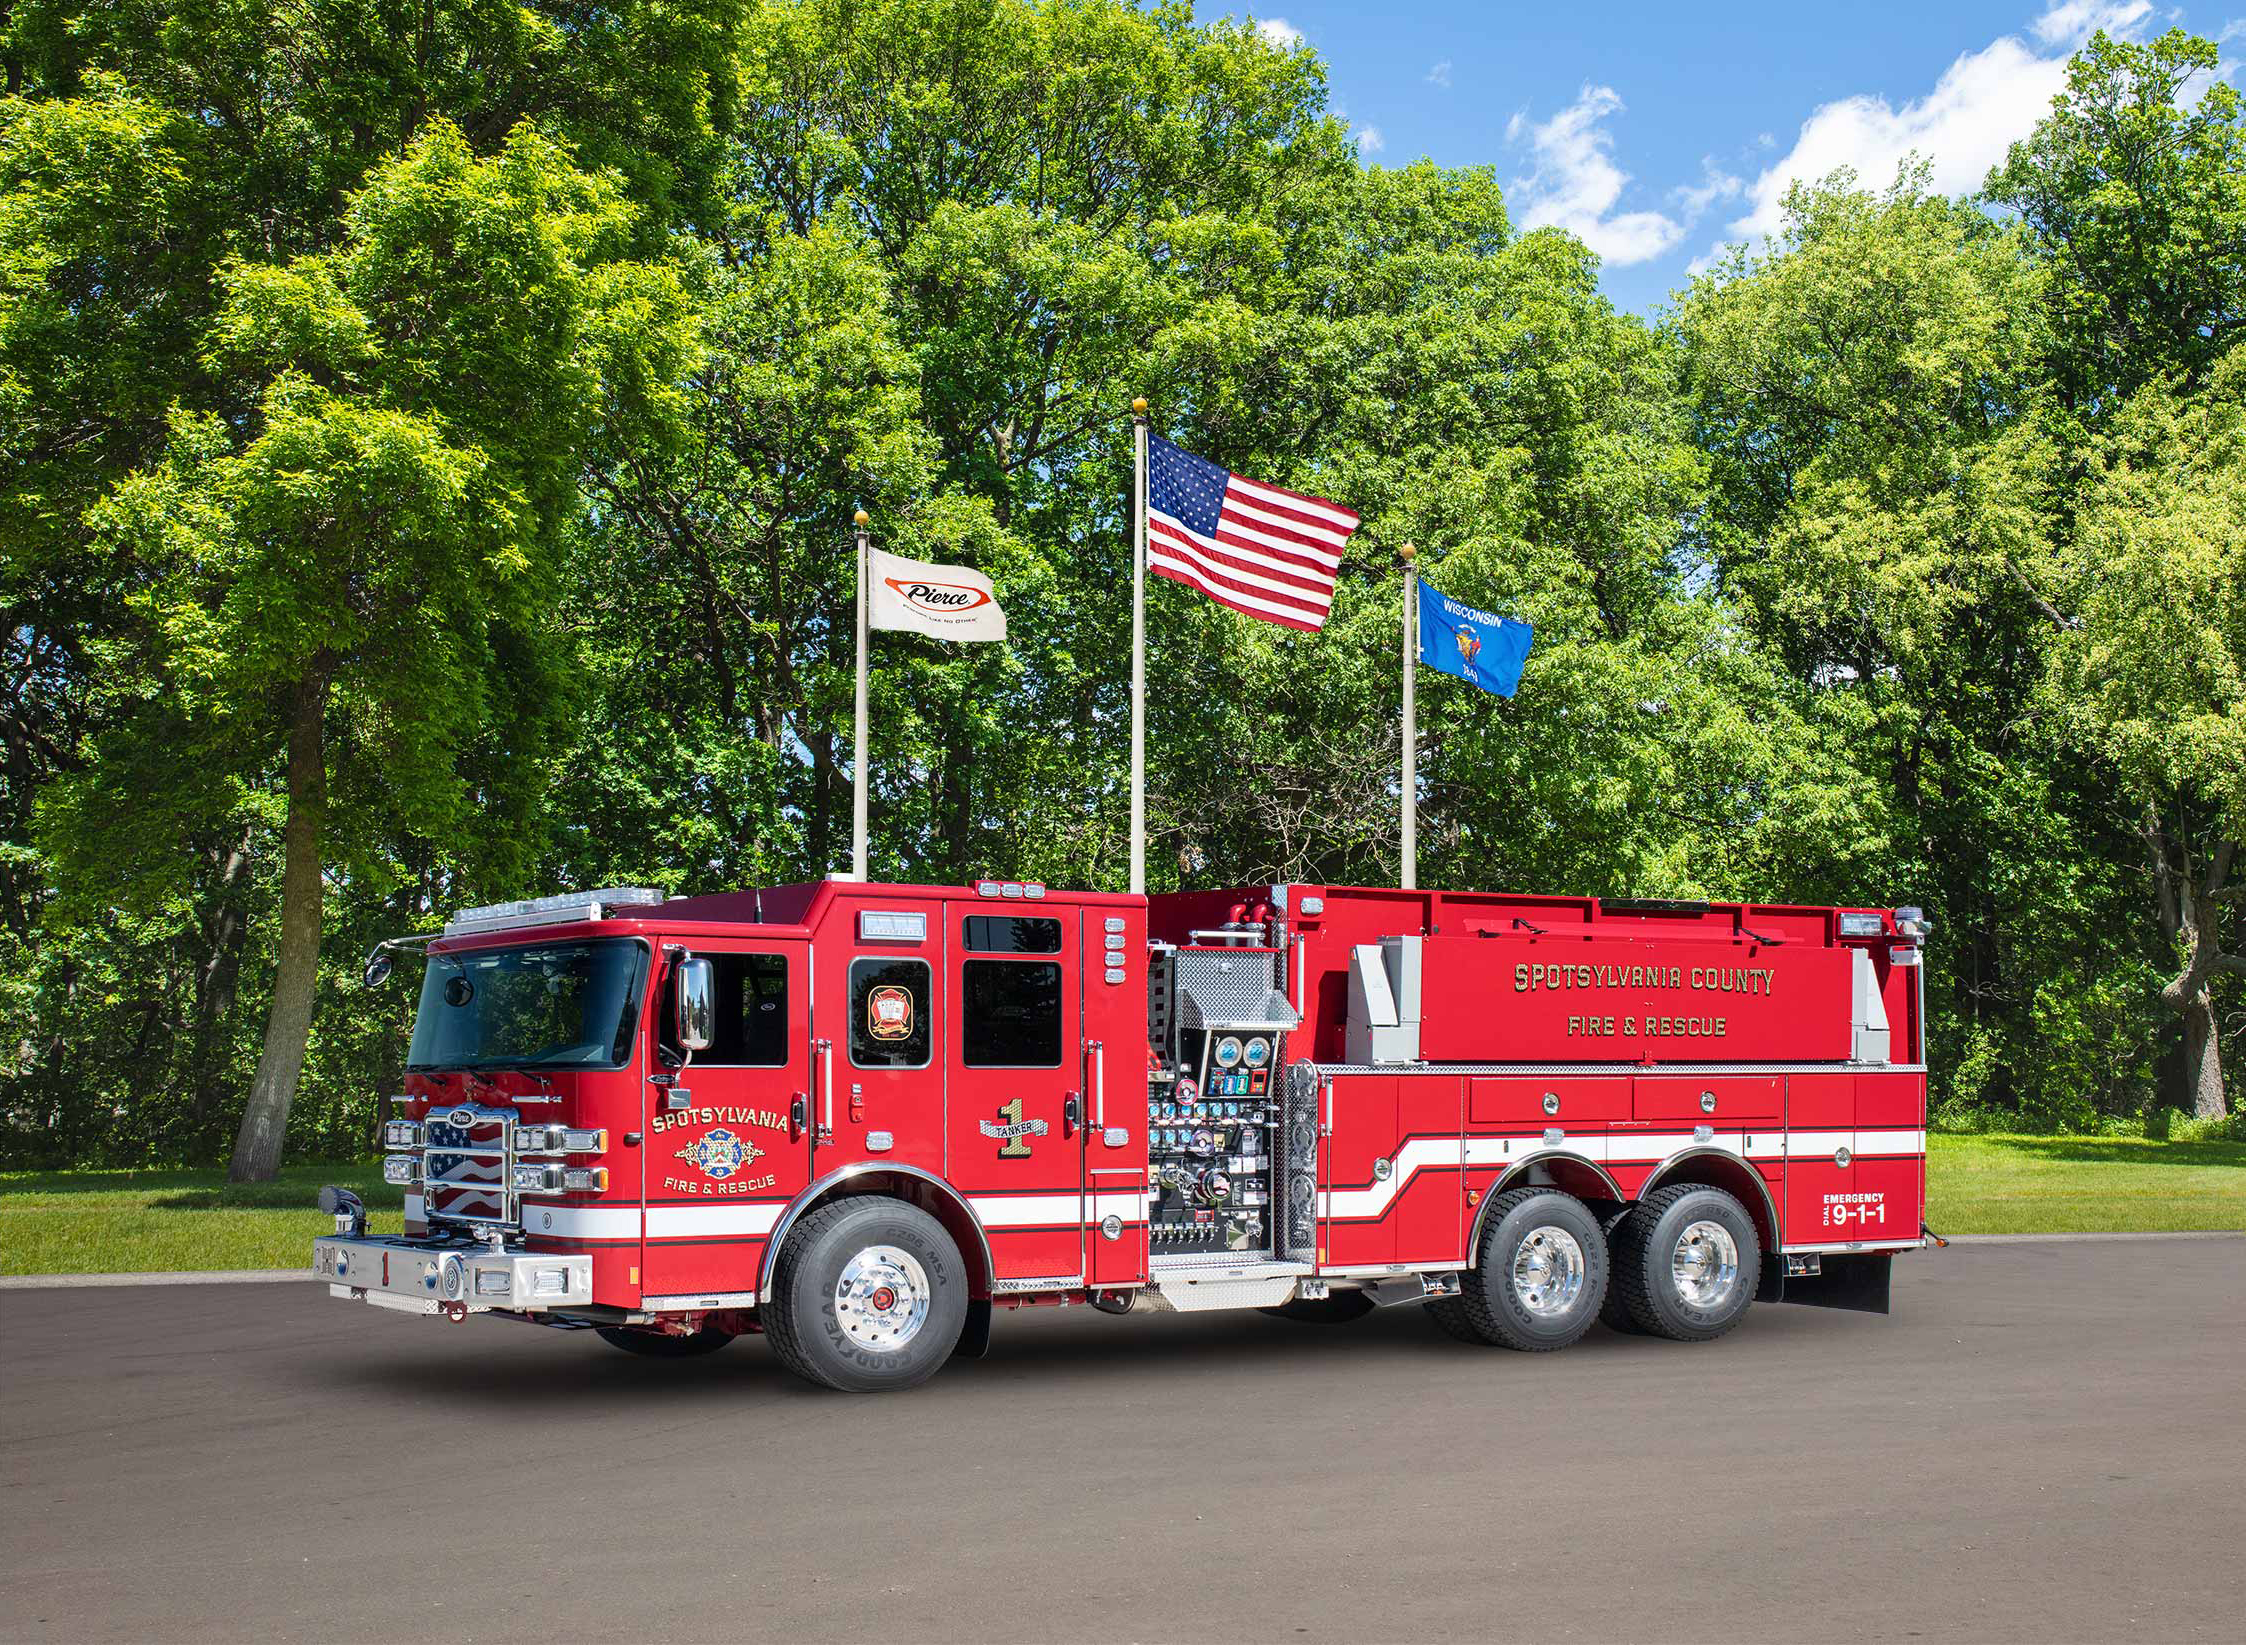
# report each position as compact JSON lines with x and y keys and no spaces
{"x":553,"y":1005}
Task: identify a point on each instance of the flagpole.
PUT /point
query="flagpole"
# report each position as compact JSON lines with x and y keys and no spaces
{"x":858,"y":760}
{"x":1410,"y":858}
{"x":1138,"y":650}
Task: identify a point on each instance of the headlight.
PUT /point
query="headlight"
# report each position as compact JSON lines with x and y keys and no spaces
{"x":494,"y":1282}
{"x":560,"y":1179}
{"x":401,"y":1169}
{"x":559,"y":1139}
{"x":549,"y":1282}
{"x":401,"y":1134}
{"x":1862,"y":925}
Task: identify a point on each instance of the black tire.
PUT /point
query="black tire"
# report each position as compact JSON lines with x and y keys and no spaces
{"x":808,"y":1332}
{"x":1614,"y":1312}
{"x":1645,"y":1250}
{"x":1334,"y":1308}
{"x":657,"y":1345}
{"x":1494,"y":1308}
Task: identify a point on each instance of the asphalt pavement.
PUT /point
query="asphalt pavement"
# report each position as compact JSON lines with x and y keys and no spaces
{"x":2042,"y":1443}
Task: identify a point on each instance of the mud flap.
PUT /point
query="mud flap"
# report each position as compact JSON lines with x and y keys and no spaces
{"x":1773,"y":1287}
{"x":974,"y":1333}
{"x":1856,"y":1282}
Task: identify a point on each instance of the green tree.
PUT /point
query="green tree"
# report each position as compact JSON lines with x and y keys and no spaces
{"x":364,"y":572}
{"x":2134,"y":187}
{"x":2151,"y":676}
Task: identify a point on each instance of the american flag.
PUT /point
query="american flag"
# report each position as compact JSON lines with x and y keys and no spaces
{"x":1260,"y":549}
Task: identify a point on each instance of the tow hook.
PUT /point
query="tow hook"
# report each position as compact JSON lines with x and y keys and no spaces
{"x":457,"y":1312}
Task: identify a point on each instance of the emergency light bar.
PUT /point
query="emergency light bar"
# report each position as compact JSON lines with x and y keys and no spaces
{"x":569,"y":906}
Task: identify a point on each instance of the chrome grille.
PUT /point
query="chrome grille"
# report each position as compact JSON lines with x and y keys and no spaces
{"x":468,"y":1165}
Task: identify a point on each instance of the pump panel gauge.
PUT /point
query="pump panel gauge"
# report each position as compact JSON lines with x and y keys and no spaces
{"x":1257,"y":1052}
{"x":1228,"y":1051}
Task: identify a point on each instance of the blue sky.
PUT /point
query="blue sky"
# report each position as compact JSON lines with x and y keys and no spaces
{"x":1660,"y":132}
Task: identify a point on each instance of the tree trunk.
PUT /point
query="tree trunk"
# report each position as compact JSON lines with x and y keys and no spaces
{"x":215,"y":980}
{"x":2203,"y":1057}
{"x":288,"y":1022}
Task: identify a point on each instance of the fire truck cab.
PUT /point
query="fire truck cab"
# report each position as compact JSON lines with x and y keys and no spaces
{"x":857,"y":1118}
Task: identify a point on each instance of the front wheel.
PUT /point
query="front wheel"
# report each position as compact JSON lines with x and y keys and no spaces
{"x":1540,"y":1274}
{"x":1686,"y":1262}
{"x":869,"y":1295}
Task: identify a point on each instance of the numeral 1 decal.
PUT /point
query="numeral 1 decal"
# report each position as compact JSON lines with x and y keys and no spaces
{"x":1014,"y":1132}
{"x":1017,"y":1139}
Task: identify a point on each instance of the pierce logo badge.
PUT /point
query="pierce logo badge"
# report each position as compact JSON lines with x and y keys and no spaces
{"x":938,"y":599}
{"x":719,"y":1153}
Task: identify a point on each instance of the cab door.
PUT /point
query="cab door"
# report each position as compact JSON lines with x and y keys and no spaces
{"x":727,"y":1140}
{"x":1015,"y":1128}
{"x":882,"y":1046}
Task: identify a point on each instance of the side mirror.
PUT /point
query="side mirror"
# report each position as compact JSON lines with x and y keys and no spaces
{"x":696,"y":982}
{"x":378,"y":969}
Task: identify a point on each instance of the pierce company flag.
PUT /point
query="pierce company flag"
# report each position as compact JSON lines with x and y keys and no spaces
{"x":1473,"y":644}
{"x":946,"y":602}
{"x":1260,"y":549}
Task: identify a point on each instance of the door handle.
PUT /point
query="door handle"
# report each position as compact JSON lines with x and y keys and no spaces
{"x":797,"y":1116}
{"x":1072,"y":1114}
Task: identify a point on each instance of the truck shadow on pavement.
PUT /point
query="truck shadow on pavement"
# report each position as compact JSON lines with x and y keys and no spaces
{"x":575,"y":1370}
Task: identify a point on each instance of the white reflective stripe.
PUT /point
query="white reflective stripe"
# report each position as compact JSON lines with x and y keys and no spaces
{"x":1130,"y":1207}
{"x":582,"y":1221}
{"x":1027,"y":1210}
{"x":1819,"y":1142}
{"x":1891,"y":1142}
{"x":708,"y":1221}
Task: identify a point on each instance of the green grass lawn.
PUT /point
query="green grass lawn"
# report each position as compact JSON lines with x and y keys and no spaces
{"x":124,"y":1222}
{"x":118,"y":1222}
{"x":2044,"y":1185}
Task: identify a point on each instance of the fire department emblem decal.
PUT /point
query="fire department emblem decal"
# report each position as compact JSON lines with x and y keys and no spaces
{"x":719,"y":1153}
{"x":889,"y":1013}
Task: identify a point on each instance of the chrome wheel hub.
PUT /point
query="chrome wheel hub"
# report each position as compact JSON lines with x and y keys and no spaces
{"x":882,"y":1298}
{"x":1706,"y":1265}
{"x":1548,"y":1271}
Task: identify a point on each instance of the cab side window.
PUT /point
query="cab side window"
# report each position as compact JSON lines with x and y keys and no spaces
{"x":889,"y":1017}
{"x":752,"y":1011}
{"x":1010,"y":1014}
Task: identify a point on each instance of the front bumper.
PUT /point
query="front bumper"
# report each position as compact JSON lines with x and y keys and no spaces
{"x":421,"y":1278}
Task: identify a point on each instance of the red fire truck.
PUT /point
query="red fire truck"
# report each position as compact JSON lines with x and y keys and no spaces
{"x":856,"y":1118}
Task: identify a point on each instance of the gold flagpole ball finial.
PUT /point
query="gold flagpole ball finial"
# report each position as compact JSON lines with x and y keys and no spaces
{"x":1138,"y":406}
{"x":1406,"y":553}
{"x":861,"y":517}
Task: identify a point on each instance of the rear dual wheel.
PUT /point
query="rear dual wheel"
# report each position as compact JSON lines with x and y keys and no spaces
{"x":1539,"y":1277}
{"x":1687,"y":1263}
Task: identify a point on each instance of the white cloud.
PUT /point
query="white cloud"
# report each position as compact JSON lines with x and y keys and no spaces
{"x":1440,"y":74}
{"x":1574,"y":183}
{"x":1370,"y":140}
{"x":1984,"y":102}
{"x":2067,"y":23}
{"x":1279,"y":32}
{"x":1715,"y":184}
